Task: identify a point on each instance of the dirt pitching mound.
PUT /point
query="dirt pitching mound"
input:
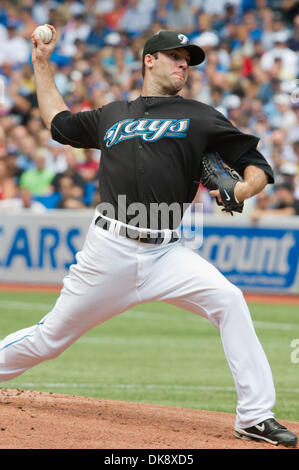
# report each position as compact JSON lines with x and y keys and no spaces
{"x":37,"y":420}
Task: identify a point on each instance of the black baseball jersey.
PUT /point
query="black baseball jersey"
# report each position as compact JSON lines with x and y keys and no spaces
{"x":151,"y":148}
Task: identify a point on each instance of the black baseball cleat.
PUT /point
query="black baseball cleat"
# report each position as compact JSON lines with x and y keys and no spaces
{"x":270,"y":431}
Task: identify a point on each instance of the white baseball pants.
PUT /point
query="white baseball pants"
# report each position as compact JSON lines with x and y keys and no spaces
{"x":113,"y":274}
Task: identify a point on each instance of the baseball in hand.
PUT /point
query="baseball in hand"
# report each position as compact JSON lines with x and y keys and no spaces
{"x":44,"y":32}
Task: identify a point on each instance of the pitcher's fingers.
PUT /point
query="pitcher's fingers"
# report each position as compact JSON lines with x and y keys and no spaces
{"x":215,"y":193}
{"x":54,"y":33}
{"x":36,"y":39}
{"x":33,"y":40}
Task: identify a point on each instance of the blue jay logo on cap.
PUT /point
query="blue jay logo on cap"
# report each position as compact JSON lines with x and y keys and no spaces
{"x":183,"y":39}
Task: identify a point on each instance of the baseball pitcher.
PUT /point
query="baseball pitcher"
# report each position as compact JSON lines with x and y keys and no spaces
{"x":154,"y":149}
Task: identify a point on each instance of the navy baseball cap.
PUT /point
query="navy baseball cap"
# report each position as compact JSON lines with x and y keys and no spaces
{"x":167,"y":40}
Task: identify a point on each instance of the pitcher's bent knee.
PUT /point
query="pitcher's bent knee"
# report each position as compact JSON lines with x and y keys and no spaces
{"x":227,"y":300}
{"x":50,"y":348}
{"x":36,"y":347}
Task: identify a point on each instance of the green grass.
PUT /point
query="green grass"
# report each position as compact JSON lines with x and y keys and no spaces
{"x":156,"y":353}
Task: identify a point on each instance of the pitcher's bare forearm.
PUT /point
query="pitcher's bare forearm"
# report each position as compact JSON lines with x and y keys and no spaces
{"x":254,"y":181}
{"x":49,"y":99}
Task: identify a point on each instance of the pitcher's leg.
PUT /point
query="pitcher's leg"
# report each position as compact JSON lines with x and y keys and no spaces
{"x":188,"y":281}
{"x":97,"y":288}
{"x":28,"y":347}
{"x":245,"y":356}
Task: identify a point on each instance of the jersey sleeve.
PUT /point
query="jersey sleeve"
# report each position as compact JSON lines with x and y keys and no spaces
{"x":80,"y":130}
{"x":255,"y":158}
{"x":236,"y":148}
{"x":226,"y":139}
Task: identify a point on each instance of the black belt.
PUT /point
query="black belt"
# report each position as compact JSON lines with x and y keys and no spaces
{"x":144,"y":236}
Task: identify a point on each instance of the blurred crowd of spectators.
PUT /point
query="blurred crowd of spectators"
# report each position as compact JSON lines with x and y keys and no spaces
{"x":250,"y":75}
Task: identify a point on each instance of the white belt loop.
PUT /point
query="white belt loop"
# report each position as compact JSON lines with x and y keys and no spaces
{"x":167,"y":236}
{"x":114,"y":226}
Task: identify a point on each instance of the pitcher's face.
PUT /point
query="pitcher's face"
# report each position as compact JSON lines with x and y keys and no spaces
{"x":170,"y":70}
